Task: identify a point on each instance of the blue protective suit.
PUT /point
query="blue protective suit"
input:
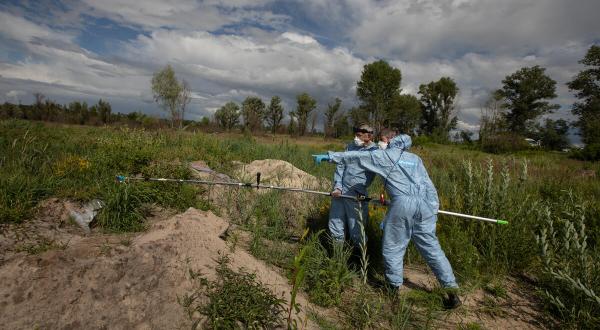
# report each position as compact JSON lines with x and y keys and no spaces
{"x":351,"y":180}
{"x":412,"y":213}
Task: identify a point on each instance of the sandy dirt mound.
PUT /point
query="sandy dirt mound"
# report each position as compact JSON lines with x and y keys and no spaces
{"x":237,"y":202}
{"x":119,"y":282}
{"x":277,"y":172}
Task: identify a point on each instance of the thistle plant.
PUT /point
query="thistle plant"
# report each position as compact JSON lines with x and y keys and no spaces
{"x":469,"y":188}
{"x":524,"y":172}
{"x":488,"y":199}
{"x":571,"y":271}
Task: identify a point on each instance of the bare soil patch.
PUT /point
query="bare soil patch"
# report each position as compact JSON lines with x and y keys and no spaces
{"x":517,"y":308}
{"x":123,"y":282}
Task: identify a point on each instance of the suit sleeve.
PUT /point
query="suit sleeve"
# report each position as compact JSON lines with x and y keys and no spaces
{"x":374,"y":161}
{"x":430,"y":191}
{"x":338,"y":175}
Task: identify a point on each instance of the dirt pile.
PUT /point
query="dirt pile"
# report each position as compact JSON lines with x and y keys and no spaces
{"x":122,"y":282}
{"x":236,"y":202}
{"x":278,"y":173}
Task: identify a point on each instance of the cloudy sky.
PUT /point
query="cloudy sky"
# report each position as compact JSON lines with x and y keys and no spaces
{"x":227,"y":50}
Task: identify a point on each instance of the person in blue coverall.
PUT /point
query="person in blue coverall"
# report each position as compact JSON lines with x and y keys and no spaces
{"x":412,"y":213}
{"x":351,"y":180}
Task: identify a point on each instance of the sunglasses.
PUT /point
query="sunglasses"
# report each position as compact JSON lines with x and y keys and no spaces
{"x":362,"y":130}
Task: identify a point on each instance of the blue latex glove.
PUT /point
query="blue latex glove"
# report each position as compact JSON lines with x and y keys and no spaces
{"x":320,"y":158}
{"x":382,"y":224}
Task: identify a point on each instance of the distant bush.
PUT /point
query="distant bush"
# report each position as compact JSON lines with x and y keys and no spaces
{"x":504,"y":142}
{"x":590,"y":152}
{"x":421,"y":140}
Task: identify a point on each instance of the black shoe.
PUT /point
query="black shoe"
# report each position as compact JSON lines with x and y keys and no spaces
{"x":452,"y":301}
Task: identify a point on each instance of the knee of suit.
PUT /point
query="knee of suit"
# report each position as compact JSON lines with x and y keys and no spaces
{"x":428,"y":245}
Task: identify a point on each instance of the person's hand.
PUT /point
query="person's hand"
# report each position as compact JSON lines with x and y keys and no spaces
{"x":336,"y":193}
{"x":320,"y":158}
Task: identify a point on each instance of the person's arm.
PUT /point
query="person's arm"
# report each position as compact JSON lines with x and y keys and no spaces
{"x":375,"y":161}
{"x":430,"y":191}
{"x":338,"y":175}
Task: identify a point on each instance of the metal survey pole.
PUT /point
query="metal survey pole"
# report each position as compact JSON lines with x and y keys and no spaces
{"x":381,"y":201}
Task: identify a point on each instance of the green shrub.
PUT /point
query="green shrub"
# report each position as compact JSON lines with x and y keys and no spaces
{"x":421,"y":140}
{"x":504,"y":142}
{"x":170,"y":194}
{"x":590,"y":152}
{"x":234,"y":300}
{"x":326,"y":276}
{"x":120,"y":213}
{"x":19,"y":193}
{"x":365,"y":310}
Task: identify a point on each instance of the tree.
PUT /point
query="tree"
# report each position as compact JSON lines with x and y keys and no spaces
{"x":313,"y":122}
{"x":228,"y":116}
{"x":466,"y":136}
{"x":104,"y":111}
{"x":274,"y":114}
{"x":170,"y":94}
{"x":553,"y":134}
{"x":358,"y":116}
{"x":306,"y":105}
{"x":78,"y":112}
{"x":38,"y":108}
{"x":330,"y":116}
{"x":492,"y":119}
{"x":253,"y":111}
{"x":586,"y":85}
{"x":341,"y":127}
{"x":405,"y":113}
{"x":379,"y":84}
{"x":438,"y":105}
{"x":292,"y":126}
{"x":524,"y":93}
{"x":185,"y":97}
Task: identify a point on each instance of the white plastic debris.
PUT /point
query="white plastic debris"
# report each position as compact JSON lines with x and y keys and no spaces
{"x":85,"y":217}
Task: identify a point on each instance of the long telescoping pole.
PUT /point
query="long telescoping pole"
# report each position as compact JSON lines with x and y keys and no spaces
{"x":381,"y":201}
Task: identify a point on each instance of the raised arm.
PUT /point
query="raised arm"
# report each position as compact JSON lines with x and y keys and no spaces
{"x":376,"y":161}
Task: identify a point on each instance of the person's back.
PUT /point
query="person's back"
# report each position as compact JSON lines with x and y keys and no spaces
{"x":408,"y":177}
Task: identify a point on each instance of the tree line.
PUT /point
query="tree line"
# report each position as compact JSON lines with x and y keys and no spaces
{"x":511,"y":114}
{"x":80,"y":113}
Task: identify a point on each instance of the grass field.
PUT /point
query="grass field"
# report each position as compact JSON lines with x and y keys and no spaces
{"x":551,"y":202}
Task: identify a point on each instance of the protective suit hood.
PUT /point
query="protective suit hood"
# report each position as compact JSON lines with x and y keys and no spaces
{"x":401,"y":141}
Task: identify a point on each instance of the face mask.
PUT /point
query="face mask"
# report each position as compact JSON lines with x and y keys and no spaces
{"x":382,"y":145}
{"x":358,"y":141}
